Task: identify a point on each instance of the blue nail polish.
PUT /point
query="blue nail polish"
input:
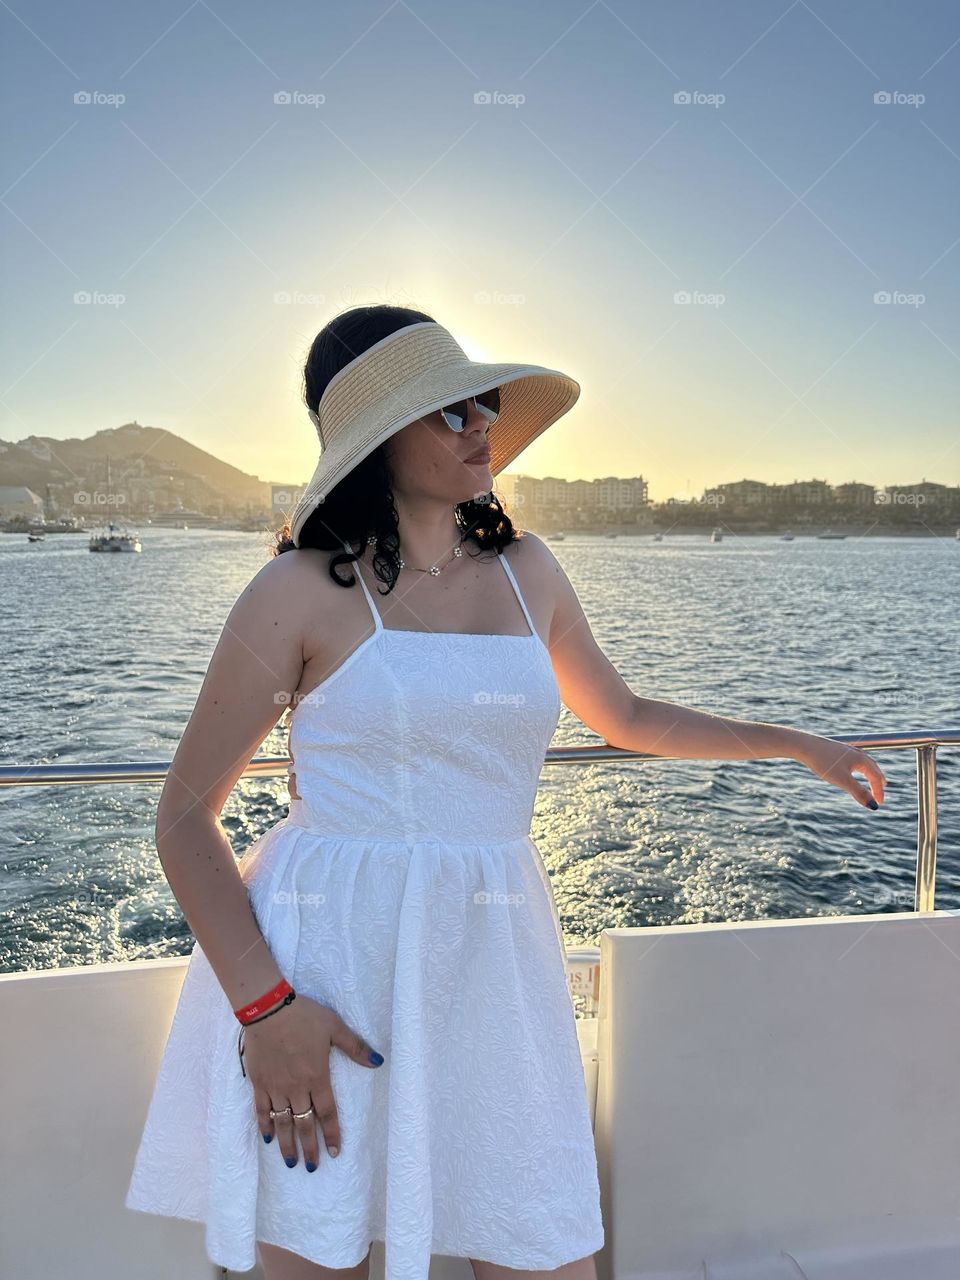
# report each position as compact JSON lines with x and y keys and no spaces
{"x":310,"y":1166}
{"x":268,"y":1137}
{"x":376,"y":1058}
{"x":291,"y":1161}
{"x":872,"y":804}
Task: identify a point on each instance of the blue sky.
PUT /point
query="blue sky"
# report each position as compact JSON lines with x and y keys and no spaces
{"x":561,"y":223}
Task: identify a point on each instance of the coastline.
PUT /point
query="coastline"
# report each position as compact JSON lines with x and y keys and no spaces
{"x":731,"y":530}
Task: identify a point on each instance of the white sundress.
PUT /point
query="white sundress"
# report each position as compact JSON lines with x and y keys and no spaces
{"x":402,"y":890}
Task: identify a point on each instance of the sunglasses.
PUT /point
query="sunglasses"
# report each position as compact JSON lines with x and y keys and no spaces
{"x":488,"y":403}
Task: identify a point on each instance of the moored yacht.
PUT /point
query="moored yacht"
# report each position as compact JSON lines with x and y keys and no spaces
{"x":115,"y":538}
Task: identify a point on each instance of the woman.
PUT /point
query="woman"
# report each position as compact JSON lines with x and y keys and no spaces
{"x":391,"y":949}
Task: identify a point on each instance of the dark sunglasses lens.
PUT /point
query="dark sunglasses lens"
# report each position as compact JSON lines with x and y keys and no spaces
{"x":456,"y":415}
{"x":490,"y":400}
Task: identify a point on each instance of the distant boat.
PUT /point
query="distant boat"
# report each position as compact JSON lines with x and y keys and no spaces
{"x":716,"y":535}
{"x":609,"y":535}
{"x":36,"y":536}
{"x":786,"y":537}
{"x":554,"y":537}
{"x":62,"y":524}
{"x":658,"y":537}
{"x":115,"y":538}
{"x":828,"y":535}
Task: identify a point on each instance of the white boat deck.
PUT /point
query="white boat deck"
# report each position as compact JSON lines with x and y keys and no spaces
{"x":771,"y":1099}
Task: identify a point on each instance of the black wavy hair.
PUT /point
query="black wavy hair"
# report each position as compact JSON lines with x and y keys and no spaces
{"x":361,"y":505}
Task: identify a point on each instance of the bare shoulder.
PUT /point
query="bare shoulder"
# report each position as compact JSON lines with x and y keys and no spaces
{"x":291,"y":586}
{"x":530,"y":556}
{"x":538,"y":573}
{"x":299,"y":568}
{"x":279,"y":576}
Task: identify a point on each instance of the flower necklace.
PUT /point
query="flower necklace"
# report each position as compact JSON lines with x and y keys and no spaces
{"x":434,"y":569}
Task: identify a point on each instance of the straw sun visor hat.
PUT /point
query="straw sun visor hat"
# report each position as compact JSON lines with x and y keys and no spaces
{"x":413,"y":372}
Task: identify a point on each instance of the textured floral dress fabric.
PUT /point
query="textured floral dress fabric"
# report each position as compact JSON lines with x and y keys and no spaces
{"x":404,"y":891}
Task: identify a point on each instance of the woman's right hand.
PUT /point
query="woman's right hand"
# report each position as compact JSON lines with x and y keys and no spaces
{"x":287,"y":1058}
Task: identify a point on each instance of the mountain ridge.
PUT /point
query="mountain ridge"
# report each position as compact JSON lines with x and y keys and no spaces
{"x":137,"y":453}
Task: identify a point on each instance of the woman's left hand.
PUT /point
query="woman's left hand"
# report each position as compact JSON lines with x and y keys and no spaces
{"x":837,"y":764}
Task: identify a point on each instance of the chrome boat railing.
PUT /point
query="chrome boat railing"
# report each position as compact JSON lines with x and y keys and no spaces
{"x":925,"y":745}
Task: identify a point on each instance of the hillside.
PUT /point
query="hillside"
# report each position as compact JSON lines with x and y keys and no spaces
{"x":151,"y":455}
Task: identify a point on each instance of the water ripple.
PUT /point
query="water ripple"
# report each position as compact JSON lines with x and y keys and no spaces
{"x":104,"y":658}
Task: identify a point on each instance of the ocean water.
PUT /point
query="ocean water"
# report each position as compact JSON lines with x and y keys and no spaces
{"x":103,"y":657}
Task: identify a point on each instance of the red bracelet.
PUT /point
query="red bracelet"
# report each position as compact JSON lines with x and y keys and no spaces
{"x":265,"y":1002}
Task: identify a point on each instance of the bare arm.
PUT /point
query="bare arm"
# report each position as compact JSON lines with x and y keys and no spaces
{"x":254,"y":670}
{"x":599,"y":696}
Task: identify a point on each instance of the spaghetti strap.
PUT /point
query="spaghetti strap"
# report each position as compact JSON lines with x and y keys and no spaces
{"x":377,"y":621}
{"x":518,"y":594}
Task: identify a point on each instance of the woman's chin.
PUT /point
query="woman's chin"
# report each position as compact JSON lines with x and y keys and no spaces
{"x":482,"y":475}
